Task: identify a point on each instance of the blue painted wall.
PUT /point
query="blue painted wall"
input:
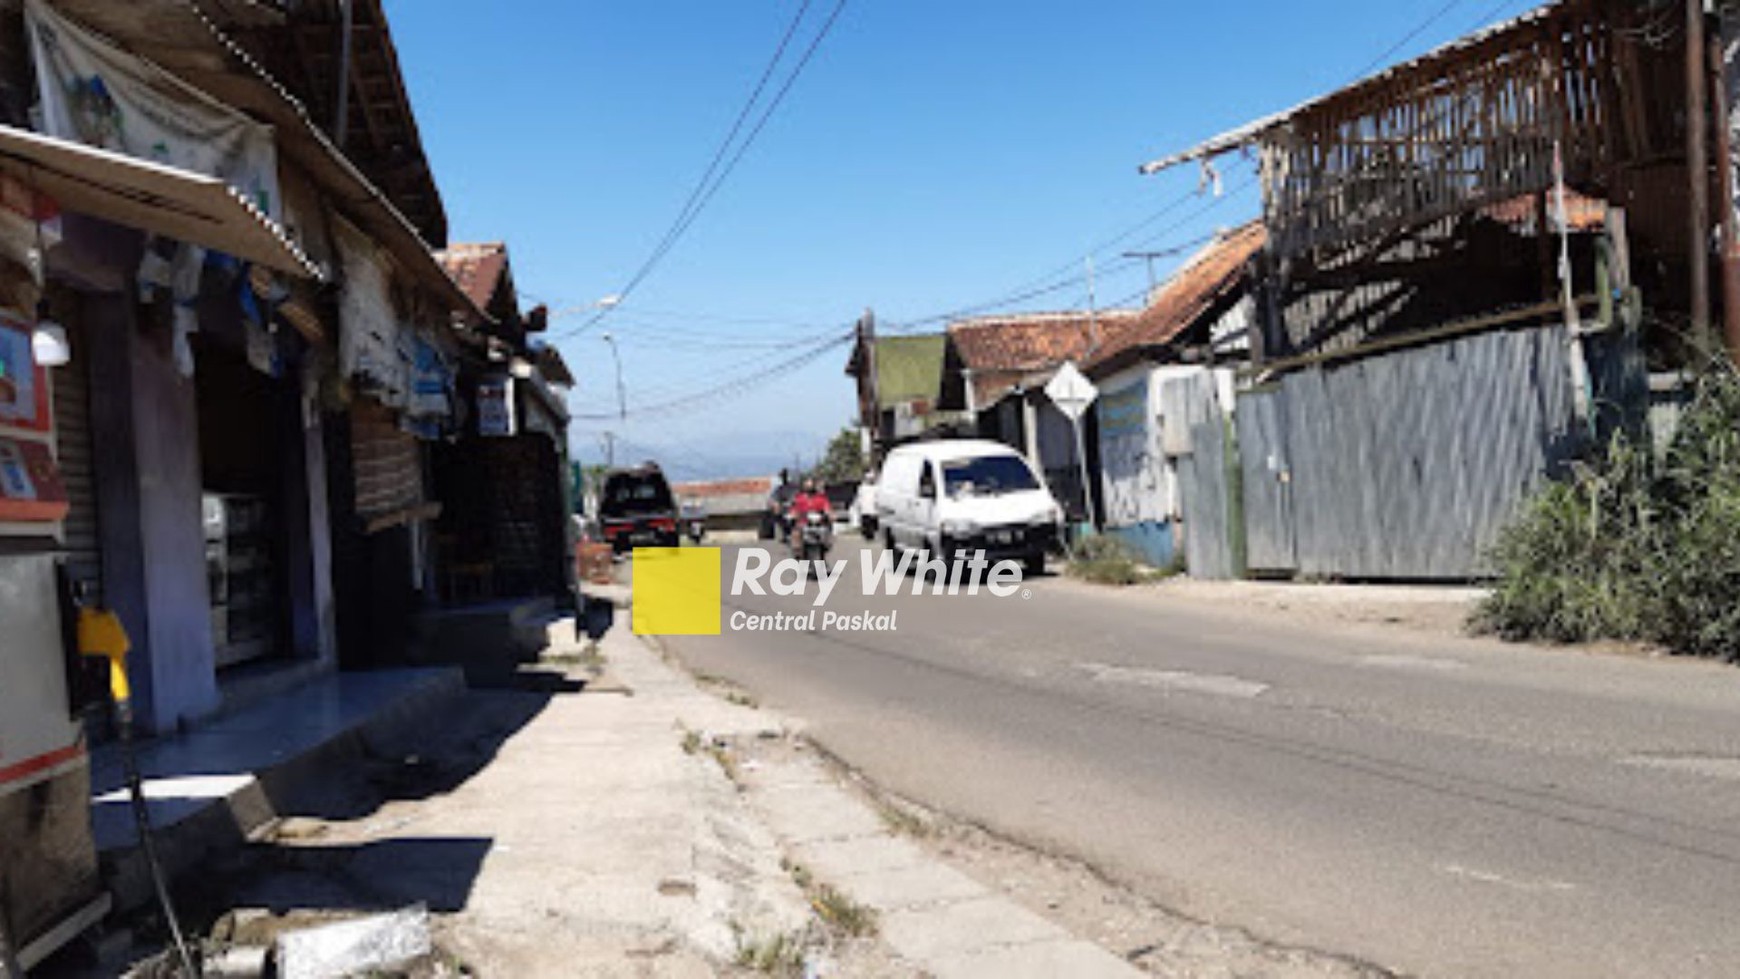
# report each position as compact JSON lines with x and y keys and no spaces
{"x":146,"y":439}
{"x":1154,"y":542}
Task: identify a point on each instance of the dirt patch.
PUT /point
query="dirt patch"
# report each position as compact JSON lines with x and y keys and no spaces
{"x":1430,"y":609}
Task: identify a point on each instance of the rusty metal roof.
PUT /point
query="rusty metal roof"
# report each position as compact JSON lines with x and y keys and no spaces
{"x":1253,"y":131}
{"x":199,"y":44}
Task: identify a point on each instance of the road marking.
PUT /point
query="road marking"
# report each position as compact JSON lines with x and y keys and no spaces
{"x":1515,"y":884}
{"x":1402,"y":661}
{"x":1222,"y":686}
{"x":1709,"y":766}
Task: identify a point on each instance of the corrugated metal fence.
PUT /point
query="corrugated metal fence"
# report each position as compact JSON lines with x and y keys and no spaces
{"x":1406,"y":465}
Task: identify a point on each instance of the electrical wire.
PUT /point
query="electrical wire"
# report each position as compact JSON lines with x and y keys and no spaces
{"x":1409,"y":38}
{"x":704,"y":192}
{"x":725,"y":144}
{"x":733,"y":388}
{"x":908,"y":327}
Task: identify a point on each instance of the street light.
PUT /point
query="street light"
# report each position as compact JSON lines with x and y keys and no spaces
{"x":608,"y":302}
{"x":621,"y":393}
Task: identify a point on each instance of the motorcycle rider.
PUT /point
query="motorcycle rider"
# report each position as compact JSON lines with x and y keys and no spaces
{"x":811,"y":499}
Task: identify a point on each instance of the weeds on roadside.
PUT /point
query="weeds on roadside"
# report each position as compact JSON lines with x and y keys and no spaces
{"x":1106,"y":560}
{"x":902,"y":822}
{"x":1633,"y":547}
{"x":841,"y":913}
{"x":774,"y":955}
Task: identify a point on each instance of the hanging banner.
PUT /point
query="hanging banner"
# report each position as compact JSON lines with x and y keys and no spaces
{"x":94,"y":93}
{"x":431,"y":383}
{"x":368,"y":327}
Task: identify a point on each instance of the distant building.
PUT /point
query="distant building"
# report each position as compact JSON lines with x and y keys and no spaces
{"x":913,"y":392}
{"x":727,"y":504}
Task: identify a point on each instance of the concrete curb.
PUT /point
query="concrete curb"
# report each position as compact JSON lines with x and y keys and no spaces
{"x":245,"y":812}
{"x":943,"y":922}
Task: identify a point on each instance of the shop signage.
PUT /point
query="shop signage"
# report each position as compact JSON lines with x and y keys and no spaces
{"x":495,"y":407}
{"x":23,"y":385}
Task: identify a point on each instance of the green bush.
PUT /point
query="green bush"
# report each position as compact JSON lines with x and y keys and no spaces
{"x":1632,"y":547}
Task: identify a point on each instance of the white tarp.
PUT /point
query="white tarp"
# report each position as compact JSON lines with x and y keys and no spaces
{"x":94,"y":93}
{"x":370,"y":349}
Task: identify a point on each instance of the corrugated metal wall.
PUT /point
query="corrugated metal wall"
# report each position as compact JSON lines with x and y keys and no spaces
{"x":1405,"y":466}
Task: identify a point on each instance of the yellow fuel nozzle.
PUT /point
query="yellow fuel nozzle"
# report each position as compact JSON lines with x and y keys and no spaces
{"x":101,"y":634}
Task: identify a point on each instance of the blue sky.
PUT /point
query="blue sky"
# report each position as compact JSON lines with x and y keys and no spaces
{"x":934,"y":155}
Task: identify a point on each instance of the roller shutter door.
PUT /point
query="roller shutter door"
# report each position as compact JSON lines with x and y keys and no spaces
{"x":74,"y":447}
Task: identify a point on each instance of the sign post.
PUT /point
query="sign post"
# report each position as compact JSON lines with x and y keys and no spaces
{"x":1074,"y":394}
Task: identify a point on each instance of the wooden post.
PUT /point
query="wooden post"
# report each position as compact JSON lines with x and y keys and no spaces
{"x":1697,"y":170}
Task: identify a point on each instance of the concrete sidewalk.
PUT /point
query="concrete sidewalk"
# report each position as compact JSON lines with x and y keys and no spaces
{"x":212,"y":789}
{"x":615,"y":829}
{"x":933,"y":920}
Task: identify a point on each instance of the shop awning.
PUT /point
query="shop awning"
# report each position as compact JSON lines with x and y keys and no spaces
{"x":179,"y":204}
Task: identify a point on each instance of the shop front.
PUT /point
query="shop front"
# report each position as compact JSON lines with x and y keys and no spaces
{"x":504,"y":530}
{"x":100,"y":492}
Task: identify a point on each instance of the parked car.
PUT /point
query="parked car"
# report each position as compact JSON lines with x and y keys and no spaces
{"x":964,"y":495}
{"x":863,"y":510}
{"x":636,"y":509}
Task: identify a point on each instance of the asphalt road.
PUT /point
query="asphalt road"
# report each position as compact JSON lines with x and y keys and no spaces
{"x":1435,"y":807}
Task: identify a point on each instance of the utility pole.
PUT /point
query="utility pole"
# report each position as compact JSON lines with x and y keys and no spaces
{"x":1698,"y":169}
{"x":1093,"y":314}
{"x":870,"y":409}
{"x":1148,"y":258}
{"x":341,"y":114}
{"x":610,"y":450}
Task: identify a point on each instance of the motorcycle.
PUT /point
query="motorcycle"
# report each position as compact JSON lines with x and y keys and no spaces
{"x":816,"y":537}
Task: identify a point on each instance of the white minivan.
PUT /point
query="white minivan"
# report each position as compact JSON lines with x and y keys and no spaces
{"x":959,"y":496}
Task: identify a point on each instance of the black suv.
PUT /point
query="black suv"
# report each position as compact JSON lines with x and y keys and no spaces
{"x":636,"y":509}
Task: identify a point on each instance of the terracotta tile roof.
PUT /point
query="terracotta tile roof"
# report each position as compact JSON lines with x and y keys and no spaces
{"x":1002,"y":351}
{"x":725,"y":487}
{"x":477,"y":268}
{"x":1189,"y":294}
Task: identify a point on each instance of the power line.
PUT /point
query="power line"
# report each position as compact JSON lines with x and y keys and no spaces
{"x":1072,"y":281}
{"x":705,"y":191}
{"x":1408,"y":38}
{"x":734,"y":387}
{"x":725,"y":144}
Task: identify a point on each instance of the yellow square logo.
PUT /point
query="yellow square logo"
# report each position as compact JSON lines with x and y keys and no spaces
{"x":677,"y":591}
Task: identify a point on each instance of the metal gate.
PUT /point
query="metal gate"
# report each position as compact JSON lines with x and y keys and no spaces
{"x":1270,"y":545}
{"x":1202,"y":477}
